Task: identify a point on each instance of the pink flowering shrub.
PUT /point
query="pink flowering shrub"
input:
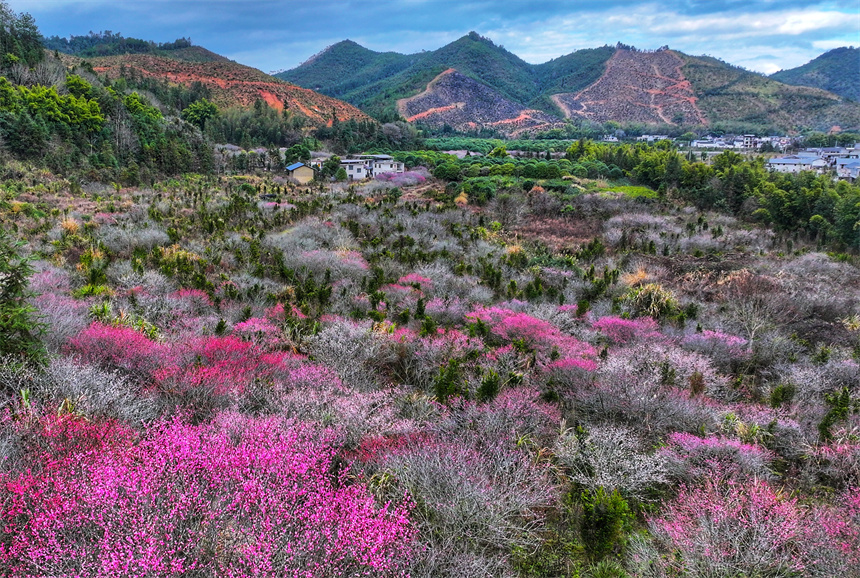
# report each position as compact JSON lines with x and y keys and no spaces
{"x":691,"y":457}
{"x":734,"y":528}
{"x":516,"y":414}
{"x":245,"y":497}
{"x":531,"y":334}
{"x":119,"y":347}
{"x":727,"y":528}
{"x":404,"y":179}
{"x":836,"y":465}
{"x":621,"y":331}
{"x":446,"y":311}
{"x":725,"y":350}
{"x":415,"y":279}
{"x":259,"y":330}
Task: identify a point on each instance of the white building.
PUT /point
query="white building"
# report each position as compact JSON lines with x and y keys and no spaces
{"x":796,"y":163}
{"x":366,"y":166}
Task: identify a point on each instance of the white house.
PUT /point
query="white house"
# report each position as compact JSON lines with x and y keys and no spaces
{"x":366,"y":166}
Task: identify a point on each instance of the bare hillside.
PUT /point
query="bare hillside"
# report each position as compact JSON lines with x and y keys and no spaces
{"x":465,"y":104}
{"x":640,"y":87}
{"x":232,"y":84}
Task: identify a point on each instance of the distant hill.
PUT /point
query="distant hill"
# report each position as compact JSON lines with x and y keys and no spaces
{"x":607,"y":83}
{"x":837,"y":71}
{"x":729,"y":93}
{"x":109,"y":44}
{"x":646,"y":87}
{"x":230,"y":83}
{"x":375,"y":81}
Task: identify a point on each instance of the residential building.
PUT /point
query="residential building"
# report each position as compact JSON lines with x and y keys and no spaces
{"x":796,"y":163}
{"x":301,"y":172}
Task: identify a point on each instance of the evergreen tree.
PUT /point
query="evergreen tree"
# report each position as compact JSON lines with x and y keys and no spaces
{"x":19,"y":328}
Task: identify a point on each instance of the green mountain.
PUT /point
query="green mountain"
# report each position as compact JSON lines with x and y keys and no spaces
{"x":837,"y":71}
{"x":374,"y":81}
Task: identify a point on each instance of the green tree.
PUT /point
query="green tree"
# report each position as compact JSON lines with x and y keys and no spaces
{"x":19,"y":328}
{"x":330,"y":166}
{"x":199,"y":112}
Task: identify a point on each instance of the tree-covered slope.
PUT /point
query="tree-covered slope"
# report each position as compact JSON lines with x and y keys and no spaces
{"x":728,"y":93}
{"x":374,"y":81}
{"x":346,"y":66}
{"x":837,"y":71}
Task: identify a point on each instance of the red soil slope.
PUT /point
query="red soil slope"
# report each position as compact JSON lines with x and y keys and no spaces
{"x":637,"y":86}
{"x":465,"y":104}
{"x":232,"y":84}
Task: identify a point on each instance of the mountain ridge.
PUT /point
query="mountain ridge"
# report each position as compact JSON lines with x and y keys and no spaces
{"x":231,"y":83}
{"x":714,"y":91}
{"x":837,"y":71}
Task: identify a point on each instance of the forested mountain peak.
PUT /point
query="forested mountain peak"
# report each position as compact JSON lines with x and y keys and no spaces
{"x":836,"y":70}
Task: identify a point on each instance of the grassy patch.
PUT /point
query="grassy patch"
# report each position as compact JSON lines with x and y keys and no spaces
{"x":633,"y":191}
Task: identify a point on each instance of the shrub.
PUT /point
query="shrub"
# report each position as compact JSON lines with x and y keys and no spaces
{"x":611,"y":458}
{"x":731,"y":528}
{"x":652,"y":300}
{"x":691,"y":458}
{"x":471,"y":500}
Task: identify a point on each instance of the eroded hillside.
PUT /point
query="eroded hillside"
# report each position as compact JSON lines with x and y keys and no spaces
{"x":638,"y":87}
{"x":465,"y":104}
{"x":232,"y":84}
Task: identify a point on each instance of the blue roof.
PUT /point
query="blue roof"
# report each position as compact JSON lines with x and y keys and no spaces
{"x":294,"y":166}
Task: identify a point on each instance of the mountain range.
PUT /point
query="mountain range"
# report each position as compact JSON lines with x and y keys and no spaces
{"x":474,"y":83}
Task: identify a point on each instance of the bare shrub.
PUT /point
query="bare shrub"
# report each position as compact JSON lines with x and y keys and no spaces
{"x":612,"y":458}
{"x":87,"y":390}
{"x":472,"y":503}
{"x":122,"y":240}
{"x":353,"y":350}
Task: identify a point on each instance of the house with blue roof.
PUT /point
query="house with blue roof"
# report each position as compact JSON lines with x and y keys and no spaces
{"x":301,"y":172}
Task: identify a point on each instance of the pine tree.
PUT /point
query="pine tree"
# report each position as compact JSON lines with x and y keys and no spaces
{"x":19,"y":328}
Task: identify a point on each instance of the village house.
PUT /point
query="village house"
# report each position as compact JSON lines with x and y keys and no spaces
{"x":796,"y":163}
{"x":649,"y":138}
{"x":301,"y":172}
{"x":366,"y":166}
{"x":363,"y":166}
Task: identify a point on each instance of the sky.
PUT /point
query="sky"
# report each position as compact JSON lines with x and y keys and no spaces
{"x":760,"y":35}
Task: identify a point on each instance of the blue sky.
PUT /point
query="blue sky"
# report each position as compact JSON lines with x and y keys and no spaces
{"x":762,"y":35}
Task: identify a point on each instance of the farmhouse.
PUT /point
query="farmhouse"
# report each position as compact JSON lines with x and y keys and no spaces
{"x":301,"y":172}
{"x":365,"y":166}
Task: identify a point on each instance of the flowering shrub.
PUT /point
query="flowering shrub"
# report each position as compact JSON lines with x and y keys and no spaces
{"x":531,"y":334}
{"x":404,"y":179}
{"x":716,"y":344}
{"x":692,"y":457}
{"x":119,"y":347}
{"x":621,"y":331}
{"x":733,"y":528}
{"x":247,"y":497}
